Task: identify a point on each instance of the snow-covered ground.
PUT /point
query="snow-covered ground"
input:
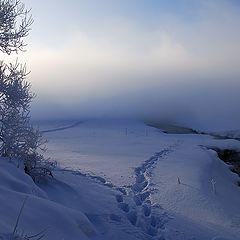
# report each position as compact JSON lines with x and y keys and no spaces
{"x":120,"y":180}
{"x":230,"y":134}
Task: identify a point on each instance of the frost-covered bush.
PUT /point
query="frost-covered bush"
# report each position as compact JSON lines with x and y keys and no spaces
{"x":14,"y":25}
{"x":18,"y":138}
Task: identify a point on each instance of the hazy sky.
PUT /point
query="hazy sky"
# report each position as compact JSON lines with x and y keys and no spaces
{"x":174,"y":59}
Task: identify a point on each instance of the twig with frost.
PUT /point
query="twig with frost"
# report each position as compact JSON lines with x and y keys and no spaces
{"x":213,"y":185}
{"x":178,"y":179}
{"x":37,"y":236}
{"x":19,"y":215}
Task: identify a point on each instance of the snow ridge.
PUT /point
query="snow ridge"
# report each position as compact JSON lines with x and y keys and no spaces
{"x":62,"y":128}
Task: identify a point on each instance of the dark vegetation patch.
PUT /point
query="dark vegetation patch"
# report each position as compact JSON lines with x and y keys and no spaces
{"x":217,"y":136}
{"x":171,"y":129}
{"x":230,"y":157}
{"x":174,"y":129}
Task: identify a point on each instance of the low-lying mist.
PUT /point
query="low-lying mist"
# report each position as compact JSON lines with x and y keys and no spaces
{"x":203,"y":105}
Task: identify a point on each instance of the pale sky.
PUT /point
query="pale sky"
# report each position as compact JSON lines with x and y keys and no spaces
{"x":136,"y":58}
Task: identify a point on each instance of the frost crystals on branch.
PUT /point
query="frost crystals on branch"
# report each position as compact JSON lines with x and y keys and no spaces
{"x":18,"y":138}
{"x":14,"y":25}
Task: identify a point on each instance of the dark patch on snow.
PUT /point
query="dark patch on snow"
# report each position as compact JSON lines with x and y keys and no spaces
{"x":144,"y":195}
{"x":146,"y":210}
{"x":100,"y":179}
{"x":230,"y":157}
{"x":124,"y":206}
{"x":115,"y":218}
{"x":171,"y":129}
{"x":122,"y":190}
{"x":137,"y":200}
{"x":132,"y":217}
{"x":62,"y":128}
{"x":108,"y":184}
{"x":138,"y":187}
{"x":119,"y":198}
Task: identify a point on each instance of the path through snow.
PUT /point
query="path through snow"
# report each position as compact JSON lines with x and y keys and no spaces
{"x":141,"y":212}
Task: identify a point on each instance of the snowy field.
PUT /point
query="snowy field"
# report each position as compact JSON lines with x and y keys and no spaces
{"x":124,"y":180}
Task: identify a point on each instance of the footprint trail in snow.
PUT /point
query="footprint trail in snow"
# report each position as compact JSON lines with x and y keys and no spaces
{"x":137,"y":204}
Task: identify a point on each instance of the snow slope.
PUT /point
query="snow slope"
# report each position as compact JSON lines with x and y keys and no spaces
{"x":99,"y":146}
{"x":70,"y":206}
{"x":119,"y":180}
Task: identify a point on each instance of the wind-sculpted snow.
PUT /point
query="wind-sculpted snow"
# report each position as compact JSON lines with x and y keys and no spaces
{"x":62,"y":128}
